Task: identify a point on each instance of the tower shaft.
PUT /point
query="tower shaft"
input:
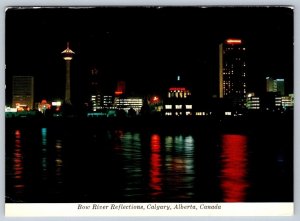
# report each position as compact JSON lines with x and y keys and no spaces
{"x":68,"y":83}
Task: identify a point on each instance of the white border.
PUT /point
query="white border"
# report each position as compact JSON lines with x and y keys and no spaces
{"x":235,"y":208}
{"x":149,"y":209}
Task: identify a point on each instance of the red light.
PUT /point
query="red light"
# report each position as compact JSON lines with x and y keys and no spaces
{"x":233,"y":41}
{"x":155,"y":164}
{"x":18,"y":133}
{"x":155,"y":99}
{"x":118,"y":92}
{"x":177,"y":89}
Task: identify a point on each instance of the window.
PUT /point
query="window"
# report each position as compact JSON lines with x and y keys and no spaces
{"x":168,"y":106}
{"x":188,"y":106}
{"x":178,"y":106}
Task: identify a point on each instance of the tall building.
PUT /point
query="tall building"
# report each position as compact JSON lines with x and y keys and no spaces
{"x":279,"y":86}
{"x":275,"y":85}
{"x":270,"y":84}
{"x":95,"y":89}
{"x":22,"y":94}
{"x":68,"y":56}
{"x":232,"y":72}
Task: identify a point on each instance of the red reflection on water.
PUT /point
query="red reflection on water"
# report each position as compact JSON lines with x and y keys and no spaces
{"x":155,"y":165}
{"x":234,"y":167}
{"x":18,"y":168}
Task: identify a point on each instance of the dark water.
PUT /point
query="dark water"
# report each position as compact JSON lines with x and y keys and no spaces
{"x":74,"y":164}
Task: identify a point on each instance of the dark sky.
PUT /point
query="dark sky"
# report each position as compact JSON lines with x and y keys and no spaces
{"x":147,"y":47}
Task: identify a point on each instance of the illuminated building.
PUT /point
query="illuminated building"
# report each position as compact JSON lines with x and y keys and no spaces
{"x":252,"y":102}
{"x":270,"y":101}
{"x":22,"y":92}
{"x":108,"y":101}
{"x":178,"y":102}
{"x":94,"y":89}
{"x":280,"y":86}
{"x":288,"y":101}
{"x":275,"y":85}
{"x":270,"y":84}
{"x":120,"y":88}
{"x":68,"y":56}
{"x":43,"y":106}
{"x":129,"y":102}
{"x":232,"y":72}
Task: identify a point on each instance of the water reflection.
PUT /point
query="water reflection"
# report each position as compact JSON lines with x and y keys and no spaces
{"x":18,"y":164}
{"x":234,"y":167}
{"x":155,"y":166}
{"x":179,"y":164}
{"x":132,"y":163}
{"x":44,"y":160}
{"x":137,"y":166}
{"x":58,"y":162}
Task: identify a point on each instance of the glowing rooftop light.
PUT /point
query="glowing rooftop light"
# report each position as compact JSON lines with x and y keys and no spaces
{"x":233,"y":41}
{"x":177,"y":89}
{"x":118,"y":92}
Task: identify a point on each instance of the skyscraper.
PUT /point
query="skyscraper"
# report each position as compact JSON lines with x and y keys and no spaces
{"x":232,"y":72}
{"x":94,"y":89}
{"x":22,"y":94}
{"x":68,"y":56}
{"x":275,"y":85}
{"x":280,"y":86}
{"x":270,"y":84}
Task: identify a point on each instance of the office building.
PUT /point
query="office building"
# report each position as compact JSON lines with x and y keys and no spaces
{"x":232,"y":72}
{"x":126,"y":103}
{"x":22,"y":92}
{"x":94,"y":89}
{"x":275,"y":85}
{"x":178,"y":102}
{"x":252,"y":102}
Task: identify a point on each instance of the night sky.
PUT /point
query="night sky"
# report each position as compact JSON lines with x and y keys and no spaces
{"x":145,"y":46}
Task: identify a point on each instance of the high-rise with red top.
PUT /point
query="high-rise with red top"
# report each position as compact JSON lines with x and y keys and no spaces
{"x":232,"y":71}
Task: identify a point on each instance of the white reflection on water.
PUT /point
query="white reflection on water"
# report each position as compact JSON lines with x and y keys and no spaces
{"x":44,"y":160}
{"x":58,"y":162}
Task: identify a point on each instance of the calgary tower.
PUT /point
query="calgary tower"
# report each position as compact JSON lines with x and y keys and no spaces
{"x":68,"y":56}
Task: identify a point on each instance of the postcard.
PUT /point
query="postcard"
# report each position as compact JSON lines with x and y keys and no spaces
{"x":149,"y":111}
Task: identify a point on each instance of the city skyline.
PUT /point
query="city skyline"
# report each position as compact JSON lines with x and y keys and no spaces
{"x":148,"y":57}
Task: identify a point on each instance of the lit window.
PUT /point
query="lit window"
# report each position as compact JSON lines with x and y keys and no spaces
{"x":178,"y":106}
{"x":228,"y":113}
{"x":168,"y":106}
{"x":188,"y":106}
{"x":188,"y":113}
